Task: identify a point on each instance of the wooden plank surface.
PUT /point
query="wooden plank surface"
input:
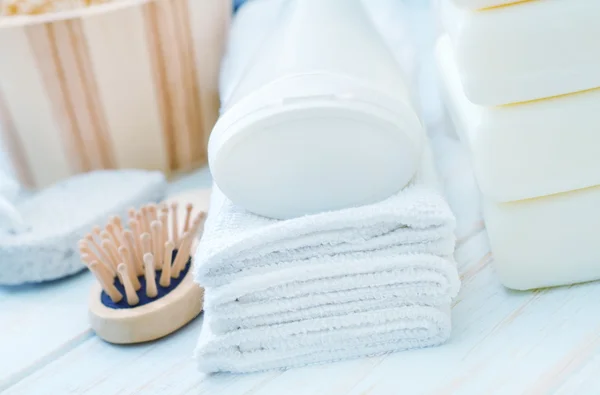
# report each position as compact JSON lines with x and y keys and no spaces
{"x":153,"y":368}
{"x":37,"y":321}
{"x":503,"y":342}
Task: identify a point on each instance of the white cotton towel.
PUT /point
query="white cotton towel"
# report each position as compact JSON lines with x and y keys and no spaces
{"x":333,"y":286}
{"x":324,"y":287}
{"x":237,"y":244}
{"x":329,"y":339}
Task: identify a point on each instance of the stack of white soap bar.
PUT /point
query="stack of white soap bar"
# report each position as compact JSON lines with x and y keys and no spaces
{"x":520,"y":85}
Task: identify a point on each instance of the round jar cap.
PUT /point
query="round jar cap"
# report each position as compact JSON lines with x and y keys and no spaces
{"x":308,"y":155}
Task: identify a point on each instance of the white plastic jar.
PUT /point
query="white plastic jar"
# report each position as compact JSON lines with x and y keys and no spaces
{"x":321,"y":119}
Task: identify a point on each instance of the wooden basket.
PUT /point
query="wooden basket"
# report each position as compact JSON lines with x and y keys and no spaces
{"x":127,"y":84}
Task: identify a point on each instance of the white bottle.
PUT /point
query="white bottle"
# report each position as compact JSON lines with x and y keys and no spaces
{"x":322,"y":119}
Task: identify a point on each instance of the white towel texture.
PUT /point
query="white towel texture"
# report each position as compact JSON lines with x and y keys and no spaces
{"x":333,"y":338}
{"x":324,"y":287}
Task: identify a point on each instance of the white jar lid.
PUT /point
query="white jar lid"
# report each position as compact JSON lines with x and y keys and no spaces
{"x":315,"y":151}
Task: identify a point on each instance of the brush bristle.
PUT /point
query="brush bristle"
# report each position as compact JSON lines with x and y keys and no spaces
{"x":130,"y":254}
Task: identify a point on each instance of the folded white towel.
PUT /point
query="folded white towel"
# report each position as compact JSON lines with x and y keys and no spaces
{"x":237,"y":244}
{"x":353,"y":282}
{"x":333,"y":286}
{"x":364,"y":333}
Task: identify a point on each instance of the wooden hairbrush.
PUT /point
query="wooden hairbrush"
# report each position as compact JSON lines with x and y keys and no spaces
{"x":145,"y":288}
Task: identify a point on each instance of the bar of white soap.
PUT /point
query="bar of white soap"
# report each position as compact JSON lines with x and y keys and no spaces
{"x":528,"y":51}
{"x":481,"y":4}
{"x":546,"y":242}
{"x":527,"y":150}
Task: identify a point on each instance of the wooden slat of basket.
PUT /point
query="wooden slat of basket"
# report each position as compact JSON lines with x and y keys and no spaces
{"x":125,"y":84}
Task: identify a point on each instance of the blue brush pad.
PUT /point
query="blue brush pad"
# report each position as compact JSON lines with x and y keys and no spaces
{"x":107,"y":301}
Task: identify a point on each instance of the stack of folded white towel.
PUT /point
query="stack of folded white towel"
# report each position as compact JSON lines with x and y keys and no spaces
{"x":350,"y":283}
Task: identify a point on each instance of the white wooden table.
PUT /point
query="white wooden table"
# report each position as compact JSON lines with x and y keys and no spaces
{"x":503,"y":342}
